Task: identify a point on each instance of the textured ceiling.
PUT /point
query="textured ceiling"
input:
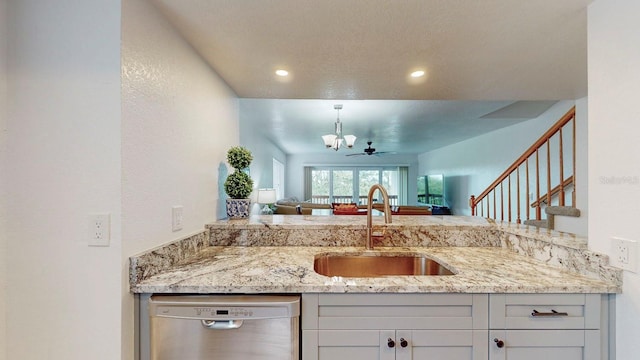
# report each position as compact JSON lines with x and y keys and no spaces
{"x":490,"y":50}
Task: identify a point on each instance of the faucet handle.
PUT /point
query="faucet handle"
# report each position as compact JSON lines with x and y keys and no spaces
{"x":378,"y":231}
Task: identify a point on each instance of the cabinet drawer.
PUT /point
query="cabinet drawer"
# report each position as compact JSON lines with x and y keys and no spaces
{"x":544,"y":311}
{"x":394,"y":311}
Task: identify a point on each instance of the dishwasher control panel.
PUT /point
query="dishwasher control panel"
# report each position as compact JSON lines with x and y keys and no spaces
{"x":219,"y":313}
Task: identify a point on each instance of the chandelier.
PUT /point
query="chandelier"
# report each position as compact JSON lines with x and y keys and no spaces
{"x":334,"y":141}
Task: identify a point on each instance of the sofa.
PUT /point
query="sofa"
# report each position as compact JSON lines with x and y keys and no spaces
{"x":291,"y":210}
{"x":292,"y":206}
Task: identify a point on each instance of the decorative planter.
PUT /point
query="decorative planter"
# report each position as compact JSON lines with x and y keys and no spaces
{"x":238,"y":208}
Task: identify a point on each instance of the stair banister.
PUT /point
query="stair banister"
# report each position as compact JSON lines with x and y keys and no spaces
{"x":524,"y":159}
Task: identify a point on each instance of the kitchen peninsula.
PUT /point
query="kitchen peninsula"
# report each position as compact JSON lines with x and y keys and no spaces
{"x":494,"y":265}
{"x":275,"y":254}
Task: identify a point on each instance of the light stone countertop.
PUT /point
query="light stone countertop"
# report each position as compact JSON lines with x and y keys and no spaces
{"x":275,"y":254}
{"x":289,"y":269}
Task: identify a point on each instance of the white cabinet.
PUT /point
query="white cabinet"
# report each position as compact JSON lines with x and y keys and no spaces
{"x":545,"y":326}
{"x":454,"y":326}
{"x":394,"y":344}
{"x":442,"y":344}
{"x":545,"y":344}
{"x":394,"y":326}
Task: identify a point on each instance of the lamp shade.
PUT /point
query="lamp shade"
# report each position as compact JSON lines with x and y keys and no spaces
{"x":266,"y":196}
{"x":350,"y":140}
{"x":329,"y":140}
{"x":337,"y":143}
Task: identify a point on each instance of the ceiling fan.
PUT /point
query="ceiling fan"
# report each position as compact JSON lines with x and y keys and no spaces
{"x":370,"y":151}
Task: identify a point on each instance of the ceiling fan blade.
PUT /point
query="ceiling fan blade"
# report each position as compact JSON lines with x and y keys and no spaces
{"x":356,"y":154}
{"x":378,"y":153}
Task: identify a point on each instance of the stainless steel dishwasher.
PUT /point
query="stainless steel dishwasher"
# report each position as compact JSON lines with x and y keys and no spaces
{"x":230,"y":327}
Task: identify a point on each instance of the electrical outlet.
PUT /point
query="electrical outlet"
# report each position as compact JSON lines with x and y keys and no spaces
{"x":624,"y":253}
{"x":176,"y":218}
{"x":99,"y":229}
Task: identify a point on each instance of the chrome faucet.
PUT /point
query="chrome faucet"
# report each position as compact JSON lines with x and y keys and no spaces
{"x":387,"y":212}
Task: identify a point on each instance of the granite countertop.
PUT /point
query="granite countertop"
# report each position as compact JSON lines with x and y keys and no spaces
{"x":275,"y":254}
{"x":289,"y":269}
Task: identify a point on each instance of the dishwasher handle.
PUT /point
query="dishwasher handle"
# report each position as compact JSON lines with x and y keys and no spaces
{"x":222,"y":324}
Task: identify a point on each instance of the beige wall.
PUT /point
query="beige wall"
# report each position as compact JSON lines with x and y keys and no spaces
{"x":614,"y":149}
{"x":3,"y":193}
{"x":63,"y":151}
{"x":178,"y":120}
{"x":82,"y":140}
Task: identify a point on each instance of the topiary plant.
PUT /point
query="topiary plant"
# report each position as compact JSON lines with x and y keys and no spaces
{"x":239,"y":157}
{"x":239,"y":184}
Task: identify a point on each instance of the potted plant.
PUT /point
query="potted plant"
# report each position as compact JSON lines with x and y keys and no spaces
{"x":238,"y":185}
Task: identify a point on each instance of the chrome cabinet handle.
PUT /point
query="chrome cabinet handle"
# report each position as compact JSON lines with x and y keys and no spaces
{"x":536,"y":313}
{"x":221,"y":324}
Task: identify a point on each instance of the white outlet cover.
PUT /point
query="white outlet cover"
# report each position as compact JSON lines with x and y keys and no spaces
{"x":99,"y":229}
{"x":624,"y":254}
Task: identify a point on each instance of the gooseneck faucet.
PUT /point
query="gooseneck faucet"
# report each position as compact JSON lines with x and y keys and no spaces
{"x":387,"y":211}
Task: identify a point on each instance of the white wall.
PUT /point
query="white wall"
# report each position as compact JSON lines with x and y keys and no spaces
{"x":471,"y":165}
{"x":614,"y":150}
{"x":3,"y":170}
{"x":296,"y":164}
{"x":178,"y":120}
{"x":63,"y":148}
{"x":263,"y":150}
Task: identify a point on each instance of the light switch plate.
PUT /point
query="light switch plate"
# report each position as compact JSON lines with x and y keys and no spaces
{"x":177,"y":218}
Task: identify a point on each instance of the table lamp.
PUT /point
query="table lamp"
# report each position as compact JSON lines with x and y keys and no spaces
{"x":266,"y":197}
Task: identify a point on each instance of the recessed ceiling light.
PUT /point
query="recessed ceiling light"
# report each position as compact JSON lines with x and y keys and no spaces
{"x":417,"y":74}
{"x":282,"y":72}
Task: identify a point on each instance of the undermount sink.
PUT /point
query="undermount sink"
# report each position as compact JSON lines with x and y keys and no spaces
{"x":377,"y":264}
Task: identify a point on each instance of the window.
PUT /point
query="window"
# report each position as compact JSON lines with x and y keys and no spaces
{"x":431,"y":189}
{"x":326,"y":185}
{"x":342,"y":186}
{"x":435,"y":189}
{"x":320,"y":186}
{"x":367,"y":179}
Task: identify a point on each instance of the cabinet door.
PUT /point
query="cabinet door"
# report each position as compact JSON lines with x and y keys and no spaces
{"x":399,"y":345}
{"x":442,"y":344}
{"x":544,"y":344}
{"x":348,"y":344}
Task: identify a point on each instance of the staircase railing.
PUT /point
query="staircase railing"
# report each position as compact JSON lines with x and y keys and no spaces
{"x":554,"y":192}
{"x":517,"y":179}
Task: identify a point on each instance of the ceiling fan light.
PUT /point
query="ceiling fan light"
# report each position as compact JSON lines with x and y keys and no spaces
{"x":350,"y":140}
{"x":329,"y":140}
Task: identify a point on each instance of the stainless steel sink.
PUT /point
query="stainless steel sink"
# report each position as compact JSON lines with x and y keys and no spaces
{"x":377,"y":264}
